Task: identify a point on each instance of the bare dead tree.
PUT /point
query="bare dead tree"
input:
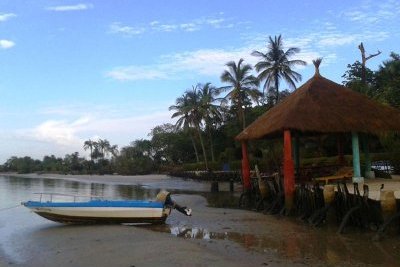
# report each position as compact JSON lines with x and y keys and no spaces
{"x":364,"y":62}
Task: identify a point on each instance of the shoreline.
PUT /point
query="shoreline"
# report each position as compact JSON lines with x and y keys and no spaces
{"x":163,"y":180}
{"x":92,"y":178}
{"x":211,"y":237}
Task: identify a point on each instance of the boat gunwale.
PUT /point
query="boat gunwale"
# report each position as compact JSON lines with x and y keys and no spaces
{"x":97,"y":203}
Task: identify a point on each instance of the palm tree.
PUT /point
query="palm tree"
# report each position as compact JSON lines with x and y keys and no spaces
{"x":275,"y":65}
{"x":191,"y":113}
{"x":184,"y":120}
{"x":113,"y":150}
{"x":196,"y":115}
{"x":103,"y":146}
{"x":89,"y":144}
{"x":210,"y":111}
{"x":242,"y":86}
{"x":143,"y":147}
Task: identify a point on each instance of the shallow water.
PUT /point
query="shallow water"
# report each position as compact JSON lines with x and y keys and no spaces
{"x":295,"y":240}
{"x":13,"y":190}
{"x":312,"y":247}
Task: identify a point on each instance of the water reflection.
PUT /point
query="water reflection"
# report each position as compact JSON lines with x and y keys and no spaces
{"x":329,"y":249}
{"x":17,"y":189}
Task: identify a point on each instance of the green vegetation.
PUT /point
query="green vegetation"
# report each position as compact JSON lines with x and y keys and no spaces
{"x":243,"y":88}
{"x":208,"y":119}
{"x":276,"y":65}
{"x":382,"y":85}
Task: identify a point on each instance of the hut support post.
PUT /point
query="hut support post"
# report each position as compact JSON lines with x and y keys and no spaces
{"x":245,"y":167}
{"x":356,"y":159}
{"x":341,"y":160}
{"x":296,"y":154}
{"x":368,"y":173}
{"x":288,"y":171}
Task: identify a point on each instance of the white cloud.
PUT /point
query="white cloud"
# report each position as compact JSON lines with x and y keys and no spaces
{"x":341,"y":38}
{"x":210,"y":62}
{"x":61,"y":136}
{"x":189,"y":27}
{"x":336,"y":40}
{"x":76,"y":7}
{"x":5,"y":44}
{"x":324,"y":40}
{"x":373,"y":12}
{"x":6,"y":16}
{"x":131,"y":73}
{"x":216,"y":22}
{"x":207,"y":62}
{"x":118,"y":28}
{"x":60,"y":132}
{"x":130,"y":126}
{"x":204,"y":61}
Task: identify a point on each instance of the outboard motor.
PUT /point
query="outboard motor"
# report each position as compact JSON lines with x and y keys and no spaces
{"x":165,"y":197}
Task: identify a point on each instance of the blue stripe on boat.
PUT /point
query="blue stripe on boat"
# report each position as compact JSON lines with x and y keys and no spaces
{"x":97,"y":203}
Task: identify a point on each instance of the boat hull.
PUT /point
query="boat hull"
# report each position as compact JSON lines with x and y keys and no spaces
{"x":101,"y":212}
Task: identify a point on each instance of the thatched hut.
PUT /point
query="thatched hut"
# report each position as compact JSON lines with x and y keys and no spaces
{"x":319,"y":106}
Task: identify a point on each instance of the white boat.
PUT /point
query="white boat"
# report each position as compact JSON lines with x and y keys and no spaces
{"x":105,"y":211}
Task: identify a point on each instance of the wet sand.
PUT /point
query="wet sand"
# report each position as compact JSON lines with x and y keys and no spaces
{"x":211,"y":237}
{"x":53,"y":244}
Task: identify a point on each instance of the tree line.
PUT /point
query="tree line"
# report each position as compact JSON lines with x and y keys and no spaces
{"x":209,"y":117}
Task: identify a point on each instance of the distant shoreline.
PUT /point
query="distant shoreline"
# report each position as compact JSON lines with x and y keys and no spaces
{"x":125,"y":179}
{"x":160,"y":181}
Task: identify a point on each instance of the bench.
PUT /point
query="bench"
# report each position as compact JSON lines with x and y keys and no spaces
{"x":343,"y":174}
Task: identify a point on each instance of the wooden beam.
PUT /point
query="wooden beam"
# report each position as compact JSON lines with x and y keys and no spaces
{"x":245,"y":167}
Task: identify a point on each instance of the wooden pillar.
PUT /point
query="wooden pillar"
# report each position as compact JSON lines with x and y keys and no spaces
{"x":288,"y":170}
{"x":296,"y":154}
{"x":356,"y":159}
{"x":340,"y":141}
{"x":367,"y":170}
{"x":245,"y":167}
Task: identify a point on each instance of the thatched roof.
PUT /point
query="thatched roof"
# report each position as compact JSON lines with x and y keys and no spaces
{"x":323,"y":106}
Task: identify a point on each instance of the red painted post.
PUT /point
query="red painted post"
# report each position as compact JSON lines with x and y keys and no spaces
{"x":288,"y":170}
{"x":245,"y":167}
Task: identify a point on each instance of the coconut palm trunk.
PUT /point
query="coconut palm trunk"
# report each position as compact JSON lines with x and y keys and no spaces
{"x":202,"y":146}
{"x":276,"y":88}
{"x":242,"y":115}
{"x":194,"y":147}
{"x":211,"y":144}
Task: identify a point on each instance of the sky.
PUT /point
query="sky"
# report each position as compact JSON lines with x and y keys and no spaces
{"x":77,"y":70}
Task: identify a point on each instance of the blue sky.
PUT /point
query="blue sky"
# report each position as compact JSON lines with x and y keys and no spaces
{"x":74,"y":70}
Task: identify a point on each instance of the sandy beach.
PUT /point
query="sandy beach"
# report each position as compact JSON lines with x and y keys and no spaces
{"x":121,"y":245}
{"x":211,"y":237}
{"x":54,"y":244}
